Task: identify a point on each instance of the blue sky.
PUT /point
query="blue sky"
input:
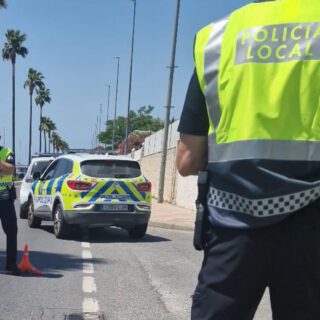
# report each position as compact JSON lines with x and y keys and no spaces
{"x":73,"y":44}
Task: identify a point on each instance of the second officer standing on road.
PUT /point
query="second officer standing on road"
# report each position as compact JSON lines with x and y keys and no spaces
{"x":7,"y":211}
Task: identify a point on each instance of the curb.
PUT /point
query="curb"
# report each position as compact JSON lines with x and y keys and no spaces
{"x":170,"y":226}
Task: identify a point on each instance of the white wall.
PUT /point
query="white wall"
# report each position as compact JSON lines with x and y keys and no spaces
{"x":177,"y":189}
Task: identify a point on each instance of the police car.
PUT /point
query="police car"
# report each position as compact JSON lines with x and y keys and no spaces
{"x":38,"y":164}
{"x":89,"y":190}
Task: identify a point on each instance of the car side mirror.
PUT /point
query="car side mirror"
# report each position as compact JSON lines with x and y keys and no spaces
{"x":36,"y":175}
{"x":21,"y":176}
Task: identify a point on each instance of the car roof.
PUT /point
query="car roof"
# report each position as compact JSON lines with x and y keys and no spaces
{"x":37,"y":159}
{"x":79,"y":157}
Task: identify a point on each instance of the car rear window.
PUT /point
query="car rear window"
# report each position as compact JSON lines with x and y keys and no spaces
{"x":111,"y":168}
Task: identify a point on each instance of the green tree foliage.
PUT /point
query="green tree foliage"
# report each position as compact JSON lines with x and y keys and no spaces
{"x":140,"y":120}
{"x":3,"y":4}
{"x":43,"y":97}
{"x":58,"y":144}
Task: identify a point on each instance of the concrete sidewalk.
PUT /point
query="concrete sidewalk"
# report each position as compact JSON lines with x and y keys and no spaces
{"x":168,"y":216}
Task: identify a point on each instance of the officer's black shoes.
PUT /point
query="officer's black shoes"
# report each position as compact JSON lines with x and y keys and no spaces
{"x":13,"y":270}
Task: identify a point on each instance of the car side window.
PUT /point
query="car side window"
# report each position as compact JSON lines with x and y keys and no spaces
{"x":50,"y":172}
{"x":60,"y":168}
{"x":68,"y":167}
{"x":64,"y":167}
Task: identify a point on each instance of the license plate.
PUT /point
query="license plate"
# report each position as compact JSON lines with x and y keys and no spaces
{"x":114,"y":207}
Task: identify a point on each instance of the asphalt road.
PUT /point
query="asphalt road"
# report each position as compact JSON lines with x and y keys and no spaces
{"x":104,"y":273}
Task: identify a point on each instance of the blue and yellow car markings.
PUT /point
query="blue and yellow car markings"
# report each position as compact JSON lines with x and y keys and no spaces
{"x":101,"y":191}
{"x":85,"y":193}
{"x":60,"y":182}
{"x":140,"y":192}
{"x":33,"y":186}
{"x":49,"y":187}
{"x":130,"y":192}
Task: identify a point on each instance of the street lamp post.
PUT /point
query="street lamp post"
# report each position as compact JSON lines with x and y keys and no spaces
{"x":100,"y":114}
{"x":108,"y":102}
{"x":168,"y":107}
{"x":115,"y":104}
{"x":130,"y":77}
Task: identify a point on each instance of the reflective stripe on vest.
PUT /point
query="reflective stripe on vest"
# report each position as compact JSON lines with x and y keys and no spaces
{"x":264,"y":149}
{"x":211,"y":61}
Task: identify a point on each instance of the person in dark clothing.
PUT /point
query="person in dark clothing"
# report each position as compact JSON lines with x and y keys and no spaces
{"x":7,"y":211}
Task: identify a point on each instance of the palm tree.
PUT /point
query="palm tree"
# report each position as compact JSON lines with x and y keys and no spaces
{"x":51,"y":127}
{"x":55,"y":140}
{"x":12,"y":48}
{"x":34,"y":80}
{"x":3,"y":4}
{"x":43,"y":97}
{"x":45,"y":129}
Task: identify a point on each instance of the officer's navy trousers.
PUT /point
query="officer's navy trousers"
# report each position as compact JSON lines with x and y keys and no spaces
{"x":238,"y":265}
{"x":9,"y":224}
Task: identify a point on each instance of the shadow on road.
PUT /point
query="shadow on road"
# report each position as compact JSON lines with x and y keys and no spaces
{"x":106,"y":235}
{"x":51,"y":263}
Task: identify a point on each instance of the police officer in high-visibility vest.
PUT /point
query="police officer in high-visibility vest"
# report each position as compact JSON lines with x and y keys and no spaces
{"x":7,"y":210}
{"x":251,"y":119}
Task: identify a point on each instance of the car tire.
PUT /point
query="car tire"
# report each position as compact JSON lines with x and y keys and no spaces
{"x":33,"y":221}
{"x":23,"y":213}
{"x":60,"y":228}
{"x":138,"y":232}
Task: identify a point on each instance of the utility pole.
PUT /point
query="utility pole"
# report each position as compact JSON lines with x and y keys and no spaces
{"x":130,"y":77}
{"x":168,"y":106}
{"x":115,"y":105}
{"x":108,"y":102}
{"x":100,"y":113}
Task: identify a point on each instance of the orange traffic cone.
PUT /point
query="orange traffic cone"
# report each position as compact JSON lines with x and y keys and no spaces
{"x":25,"y":264}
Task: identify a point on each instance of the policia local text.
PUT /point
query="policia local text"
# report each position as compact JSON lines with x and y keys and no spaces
{"x":279,"y":43}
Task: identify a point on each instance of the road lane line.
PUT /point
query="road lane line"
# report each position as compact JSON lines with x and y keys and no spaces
{"x":85,"y":244}
{"x":89,"y":285}
{"x":90,"y":305}
{"x":87,"y":267}
{"x":86,"y":254}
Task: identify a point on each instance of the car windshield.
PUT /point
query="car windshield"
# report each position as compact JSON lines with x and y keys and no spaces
{"x":111,"y":168}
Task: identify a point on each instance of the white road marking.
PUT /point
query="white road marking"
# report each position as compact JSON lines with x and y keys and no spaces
{"x":89,"y":288}
{"x":88,"y":284}
{"x":86,"y":254}
{"x":87,"y":267}
{"x":85,"y":244}
{"x":90,"y":305}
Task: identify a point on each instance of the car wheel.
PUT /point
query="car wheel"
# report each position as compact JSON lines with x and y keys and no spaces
{"x":60,"y":228}
{"x":138,"y":232}
{"x":33,"y":221}
{"x":23,"y":213}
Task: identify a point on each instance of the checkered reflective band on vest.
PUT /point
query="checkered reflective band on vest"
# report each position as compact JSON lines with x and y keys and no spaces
{"x":262,"y":207}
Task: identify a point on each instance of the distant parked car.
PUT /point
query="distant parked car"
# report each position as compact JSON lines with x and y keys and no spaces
{"x":38,"y":164}
{"x":90,"y":190}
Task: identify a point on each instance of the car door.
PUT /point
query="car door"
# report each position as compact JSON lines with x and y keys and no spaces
{"x":43,"y":197}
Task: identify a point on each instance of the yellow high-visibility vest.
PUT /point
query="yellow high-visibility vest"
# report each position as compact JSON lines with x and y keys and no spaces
{"x":6,"y":182}
{"x":259,"y":71}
